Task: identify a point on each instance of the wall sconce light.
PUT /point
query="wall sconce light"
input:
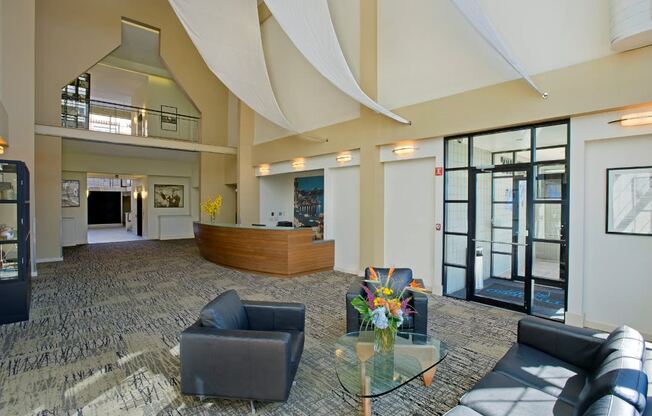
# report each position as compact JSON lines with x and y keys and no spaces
{"x":298,"y":164}
{"x":403,"y":150}
{"x":343,"y":158}
{"x":635,"y":119}
{"x":3,"y":145}
{"x":263,"y":169}
{"x":143,"y":194}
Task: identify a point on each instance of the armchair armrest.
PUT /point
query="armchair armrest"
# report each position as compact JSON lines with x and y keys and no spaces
{"x":275,"y":316}
{"x":577,"y":346}
{"x":235,"y":363}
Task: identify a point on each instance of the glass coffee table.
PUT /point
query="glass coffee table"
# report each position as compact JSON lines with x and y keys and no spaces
{"x":367,"y":374}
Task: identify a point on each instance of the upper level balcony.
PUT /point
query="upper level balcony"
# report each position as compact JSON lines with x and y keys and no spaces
{"x":110,"y":117}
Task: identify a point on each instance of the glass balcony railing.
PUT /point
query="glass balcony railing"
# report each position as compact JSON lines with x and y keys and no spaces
{"x":110,"y":117}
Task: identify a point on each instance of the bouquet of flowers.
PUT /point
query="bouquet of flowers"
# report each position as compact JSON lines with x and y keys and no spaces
{"x":212,"y":207}
{"x":383,"y":309}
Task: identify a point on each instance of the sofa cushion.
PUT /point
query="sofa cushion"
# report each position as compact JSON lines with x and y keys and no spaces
{"x":611,"y":405}
{"x":225,"y":312}
{"x":544,"y":372}
{"x":462,"y":411}
{"x":621,"y":342}
{"x":499,"y":395}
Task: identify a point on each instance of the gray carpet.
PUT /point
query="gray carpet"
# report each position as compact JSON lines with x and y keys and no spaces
{"x":104,"y":329}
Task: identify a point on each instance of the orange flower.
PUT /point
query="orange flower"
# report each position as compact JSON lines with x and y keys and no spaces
{"x":394,"y":306}
{"x":372,"y":274}
{"x":391,"y":272}
{"x":378,"y":302}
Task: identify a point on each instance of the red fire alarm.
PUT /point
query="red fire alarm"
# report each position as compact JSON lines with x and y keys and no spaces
{"x":439,"y":171}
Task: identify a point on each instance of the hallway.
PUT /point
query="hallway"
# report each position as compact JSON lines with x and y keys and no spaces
{"x":110,"y":235}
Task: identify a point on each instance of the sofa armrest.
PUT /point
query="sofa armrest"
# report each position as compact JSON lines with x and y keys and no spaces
{"x":576,"y":346}
{"x":235,"y":363}
{"x":275,"y":316}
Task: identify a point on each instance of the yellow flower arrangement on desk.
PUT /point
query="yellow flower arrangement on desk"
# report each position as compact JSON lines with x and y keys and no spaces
{"x":382,"y":309}
{"x":212,"y":207}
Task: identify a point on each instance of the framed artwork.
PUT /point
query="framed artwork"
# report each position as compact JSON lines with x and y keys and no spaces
{"x":309,"y":203}
{"x":169,"y":118}
{"x":70,"y":193}
{"x":168,"y":196}
{"x":629,"y":201}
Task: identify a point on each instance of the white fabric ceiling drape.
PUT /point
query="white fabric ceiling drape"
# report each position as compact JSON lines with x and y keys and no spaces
{"x":227,"y":35}
{"x":473,"y":13}
{"x":308,"y":24}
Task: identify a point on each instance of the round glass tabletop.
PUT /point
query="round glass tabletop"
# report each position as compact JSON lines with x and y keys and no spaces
{"x":365,"y":373}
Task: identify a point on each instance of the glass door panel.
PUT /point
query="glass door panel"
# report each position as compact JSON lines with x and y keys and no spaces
{"x":500,"y":237}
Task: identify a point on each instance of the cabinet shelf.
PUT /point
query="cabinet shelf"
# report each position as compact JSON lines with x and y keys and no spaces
{"x":8,"y":241}
{"x":8,"y":201}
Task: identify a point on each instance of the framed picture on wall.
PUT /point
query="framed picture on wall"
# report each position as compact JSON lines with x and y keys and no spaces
{"x":168,"y":196}
{"x":70,"y":193}
{"x":169,"y":118}
{"x":629,"y":201}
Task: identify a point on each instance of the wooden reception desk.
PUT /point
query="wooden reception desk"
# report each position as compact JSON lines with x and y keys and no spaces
{"x":274,"y":250}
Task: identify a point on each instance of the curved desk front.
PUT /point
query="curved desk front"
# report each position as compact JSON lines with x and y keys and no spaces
{"x":272,"y":250}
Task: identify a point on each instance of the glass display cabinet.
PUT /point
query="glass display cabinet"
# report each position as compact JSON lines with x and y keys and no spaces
{"x":15,"y":268}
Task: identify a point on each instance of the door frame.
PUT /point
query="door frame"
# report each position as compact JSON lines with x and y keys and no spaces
{"x":466,"y":164}
{"x":526,"y":307}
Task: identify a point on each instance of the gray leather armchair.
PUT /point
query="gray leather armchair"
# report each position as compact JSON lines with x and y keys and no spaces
{"x":245,"y":350}
{"x":418,"y":322}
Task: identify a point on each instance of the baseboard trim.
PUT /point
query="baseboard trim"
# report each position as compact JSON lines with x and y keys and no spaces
{"x":177,"y":237}
{"x":601,"y":326}
{"x":348,"y":271}
{"x":49,"y":260}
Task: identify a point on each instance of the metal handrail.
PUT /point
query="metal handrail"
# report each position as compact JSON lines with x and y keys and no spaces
{"x":498,"y":242}
{"x":108,"y":104}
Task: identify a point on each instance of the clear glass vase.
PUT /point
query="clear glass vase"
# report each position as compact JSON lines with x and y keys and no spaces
{"x":384,"y":339}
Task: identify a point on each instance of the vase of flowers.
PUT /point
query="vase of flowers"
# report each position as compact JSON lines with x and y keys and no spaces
{"x":212,"y":207}
{"x":383,"y":309}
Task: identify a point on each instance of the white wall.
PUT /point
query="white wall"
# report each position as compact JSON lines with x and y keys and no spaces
{"x":616,"y":267}
{"x":342,"y":216}
{"x":299,"y":86}
{"x":608,"y":274}
{"x":277,"y":196}
{"x":410,"y":217}
{"x":446,"y":56}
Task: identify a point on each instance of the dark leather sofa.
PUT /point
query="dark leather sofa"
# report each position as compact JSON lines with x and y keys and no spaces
{"x":555,"y":369}
{"x":418,"y":322}
{"x":243,"y":349}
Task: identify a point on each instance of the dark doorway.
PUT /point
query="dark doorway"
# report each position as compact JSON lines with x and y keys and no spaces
{"x":139,"y":214}
{"x":104,"y":208}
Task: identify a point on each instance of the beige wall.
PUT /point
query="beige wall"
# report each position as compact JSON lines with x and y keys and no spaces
{"x":17,"y":51}
{"x":94,"y":28}
{"x":47,"y":178}
{"x":613,"y":81}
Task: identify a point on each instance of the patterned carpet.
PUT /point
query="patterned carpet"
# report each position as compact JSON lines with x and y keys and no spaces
{"x":104,"y":329}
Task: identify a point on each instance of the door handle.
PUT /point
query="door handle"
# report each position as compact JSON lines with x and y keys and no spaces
{"x":498,"y":242}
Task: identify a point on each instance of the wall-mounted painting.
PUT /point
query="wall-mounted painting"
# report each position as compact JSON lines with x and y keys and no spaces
{"x":629,"y":201}
{"x":169,"y":117}
{"x":309,"y":202}
{"x":70,"y":193}
{"x":168,"y":196}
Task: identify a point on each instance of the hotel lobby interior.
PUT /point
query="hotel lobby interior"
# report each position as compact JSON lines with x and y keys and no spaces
{"x":326,"y":207}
